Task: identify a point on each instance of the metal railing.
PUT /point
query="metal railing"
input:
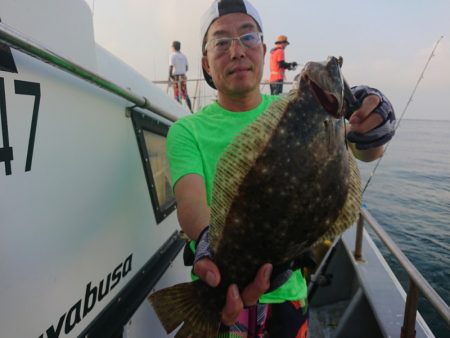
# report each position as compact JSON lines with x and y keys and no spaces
{"x":20,"y":42}
{"x":416,"y":281}
{"x":204,"y":96}
{"x":199,"y":98}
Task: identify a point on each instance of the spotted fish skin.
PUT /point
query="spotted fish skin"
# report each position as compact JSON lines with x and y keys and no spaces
{"x":285,"y":183}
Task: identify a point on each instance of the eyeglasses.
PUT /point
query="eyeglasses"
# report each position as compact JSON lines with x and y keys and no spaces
{"x":221,"y":45}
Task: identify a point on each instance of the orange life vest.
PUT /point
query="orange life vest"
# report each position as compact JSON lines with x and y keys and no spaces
{"x":276,"y":72}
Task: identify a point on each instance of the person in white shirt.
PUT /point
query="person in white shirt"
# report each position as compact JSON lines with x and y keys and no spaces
{"x":178,"y":66}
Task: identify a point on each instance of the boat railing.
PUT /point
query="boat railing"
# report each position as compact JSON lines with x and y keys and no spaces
{"x":417,"y":283}
{"x":18,"y":41}
{"x":203,"y":94}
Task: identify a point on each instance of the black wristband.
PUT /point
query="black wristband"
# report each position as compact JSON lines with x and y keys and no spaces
{"x":202,"y":246}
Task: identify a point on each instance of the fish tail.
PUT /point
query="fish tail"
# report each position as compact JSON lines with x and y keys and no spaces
{"x":180,"y":304}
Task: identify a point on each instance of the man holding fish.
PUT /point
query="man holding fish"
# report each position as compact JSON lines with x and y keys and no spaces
{"x":233,"y":59}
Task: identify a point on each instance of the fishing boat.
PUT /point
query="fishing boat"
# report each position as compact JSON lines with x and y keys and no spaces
{"x":87,"y":215}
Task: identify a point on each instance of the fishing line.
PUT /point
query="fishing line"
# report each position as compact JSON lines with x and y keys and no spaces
{"x":403,"y":112}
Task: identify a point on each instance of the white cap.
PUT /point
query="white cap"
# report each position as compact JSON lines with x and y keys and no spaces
{"x":220,"y":8}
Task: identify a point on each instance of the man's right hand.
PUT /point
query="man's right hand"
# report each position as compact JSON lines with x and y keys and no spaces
{"x":235,"y":302}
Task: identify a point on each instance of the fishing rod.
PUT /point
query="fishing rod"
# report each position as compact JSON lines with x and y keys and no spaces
{"x":403,"y":112}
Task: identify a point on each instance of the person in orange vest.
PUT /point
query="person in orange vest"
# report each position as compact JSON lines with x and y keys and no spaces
{"x":278,"y":65}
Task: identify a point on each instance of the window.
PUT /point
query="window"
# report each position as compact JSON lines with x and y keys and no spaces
{"x":151,"y":136}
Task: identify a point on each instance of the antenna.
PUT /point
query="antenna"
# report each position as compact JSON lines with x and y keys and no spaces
{"x":404,"y":111}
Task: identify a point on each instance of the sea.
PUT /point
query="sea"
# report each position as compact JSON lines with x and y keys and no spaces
{"x":409,"y":195}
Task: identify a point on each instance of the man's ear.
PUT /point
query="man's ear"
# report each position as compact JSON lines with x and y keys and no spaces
{"x":265,"y":49}
{"x":205,"y":64}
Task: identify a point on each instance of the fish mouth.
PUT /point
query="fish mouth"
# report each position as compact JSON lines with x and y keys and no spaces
{"x":328,"y":101}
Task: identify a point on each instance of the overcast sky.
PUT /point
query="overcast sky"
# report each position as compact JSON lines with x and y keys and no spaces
{"x":384,"y":43}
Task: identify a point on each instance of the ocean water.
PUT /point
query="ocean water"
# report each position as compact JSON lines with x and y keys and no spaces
{"x":409,"y":195}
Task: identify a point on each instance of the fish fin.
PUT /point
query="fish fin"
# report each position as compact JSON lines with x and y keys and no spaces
{"x":236,"y":161}
{"x":179,"y":304}
{"x":352,"y":205}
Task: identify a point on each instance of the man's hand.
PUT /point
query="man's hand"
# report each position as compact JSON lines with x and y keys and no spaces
{"x":207,"y":271}
{"x":293,"y":65}
{"x":372,"y":125}
{"x":363,"y":119}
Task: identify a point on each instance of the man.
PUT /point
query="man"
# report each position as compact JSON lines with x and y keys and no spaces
{"x":233,"y":58}
{"x":278,"y":65}
{"x":178,"y":66}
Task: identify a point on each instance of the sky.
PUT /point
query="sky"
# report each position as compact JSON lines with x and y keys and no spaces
{"x":385,"y":44}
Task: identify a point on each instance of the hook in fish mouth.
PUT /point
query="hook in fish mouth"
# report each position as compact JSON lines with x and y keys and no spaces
{"x":328,"y":101}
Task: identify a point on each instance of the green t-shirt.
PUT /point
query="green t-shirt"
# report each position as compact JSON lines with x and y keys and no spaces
{"x":194,"y":146}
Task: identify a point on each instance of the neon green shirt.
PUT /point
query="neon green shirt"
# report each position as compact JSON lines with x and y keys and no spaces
{"x":194,"y":146}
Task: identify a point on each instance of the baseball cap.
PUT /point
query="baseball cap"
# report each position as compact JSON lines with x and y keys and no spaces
{"x":220,"y":8}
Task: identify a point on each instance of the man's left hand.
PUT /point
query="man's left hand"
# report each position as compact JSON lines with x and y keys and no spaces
{"x":373,"y":124}
{"x":362,"y":119}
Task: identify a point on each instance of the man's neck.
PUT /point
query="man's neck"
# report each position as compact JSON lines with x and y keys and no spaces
{"x":240,"y":103}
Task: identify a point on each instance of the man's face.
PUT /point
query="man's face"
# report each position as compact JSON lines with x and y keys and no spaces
{"x":239,"y":70}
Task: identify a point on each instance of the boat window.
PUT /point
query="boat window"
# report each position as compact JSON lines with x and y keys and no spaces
{"x":151,"y":136}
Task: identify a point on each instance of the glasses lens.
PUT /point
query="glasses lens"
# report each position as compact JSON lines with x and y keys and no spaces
{"x":221,"y":45}
{"x":218,"y":45}
{"x":250,"y":40}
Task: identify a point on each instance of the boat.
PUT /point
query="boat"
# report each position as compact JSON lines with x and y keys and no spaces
{"x":87,"y":216}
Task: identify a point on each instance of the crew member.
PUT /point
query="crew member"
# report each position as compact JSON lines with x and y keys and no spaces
{"x":278,"y":65}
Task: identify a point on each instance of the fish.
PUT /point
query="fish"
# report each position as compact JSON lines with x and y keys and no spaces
{"x":287,"y":182}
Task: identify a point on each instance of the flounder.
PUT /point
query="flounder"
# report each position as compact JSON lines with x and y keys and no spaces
{"x":287,"y":182}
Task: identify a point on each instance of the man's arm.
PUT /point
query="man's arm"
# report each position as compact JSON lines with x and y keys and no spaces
{"x":192,"y":208}
{"x":170,"y":72}
{"x":287,"y":65}
{"x":367,"y":155}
